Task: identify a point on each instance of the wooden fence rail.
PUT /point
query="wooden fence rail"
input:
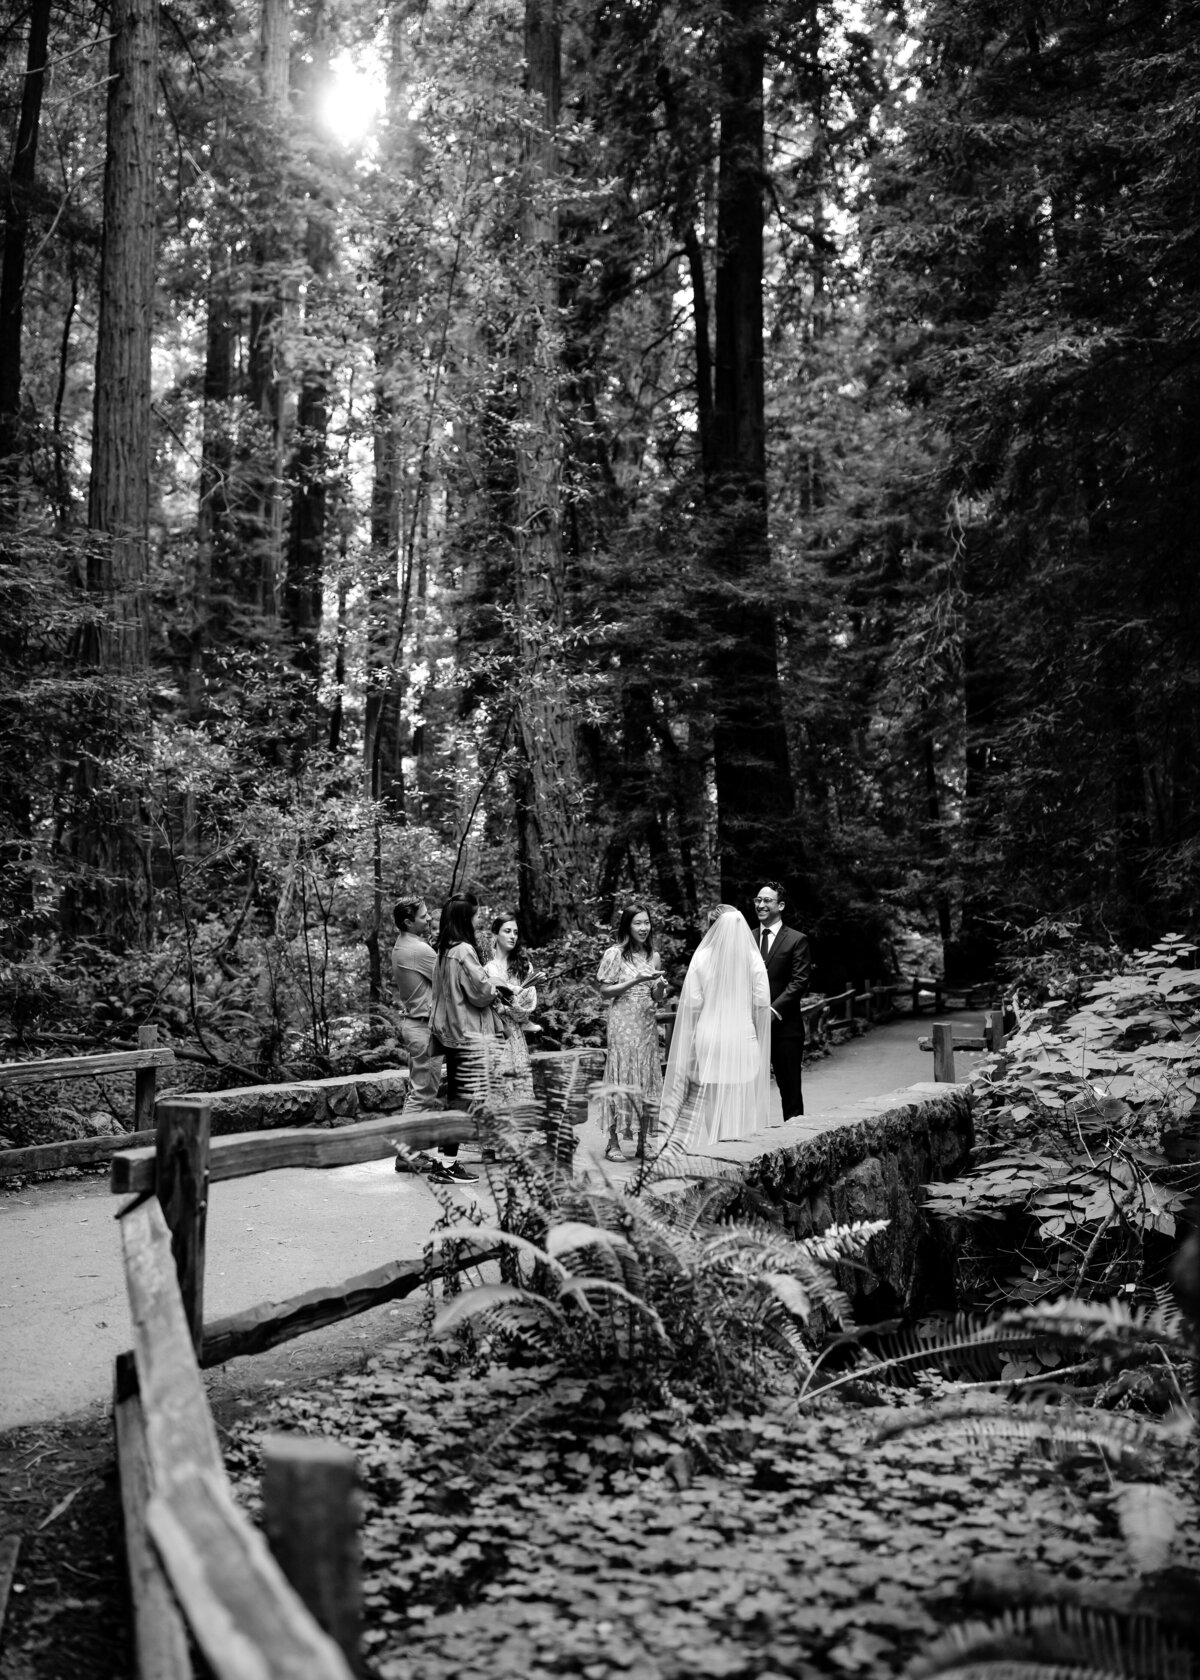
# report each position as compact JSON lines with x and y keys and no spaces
{"x":196,"y":1564}
{"x":943,"y":1044}
{"x":196,"y":1561}
{"x":143,"y":1063}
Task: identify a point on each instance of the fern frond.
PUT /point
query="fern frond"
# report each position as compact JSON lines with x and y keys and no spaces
{"x":1148,"y":1515}
{"x":780,"y":1329}
{"x":1059,"y":1639}
{"x":839,"y":1244}
{"x":572,"y":1234}
{"x":700,"y":1204}
{"x":657,"y":1235}
{"x":748,"y":1236}
{"x":674,"y":1161}
{"x":502,"y":1239}
{"x":824,"y":1290}
{"x":790,"y":1291}
{"x":1100,"y":1324}
{"x":966,"y":1339}
{"x":633,"y":1275}
{"x":488,"y":1298}
{"x":1018,"y":1668}
{"x":742,"y":1251}
{"x":1169,"y":1316}
{"x":580,"y":1288}
{"x":524,"y":1413}
{"x":1118,"y":1433}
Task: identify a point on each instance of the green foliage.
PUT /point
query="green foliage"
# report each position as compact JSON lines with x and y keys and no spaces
{"x":1054,"y":1642}
{"x":653,"y":1291}
{"x":1083,"y":1170}
{"x":1031,"y":238}
{"x":659,"y":1538}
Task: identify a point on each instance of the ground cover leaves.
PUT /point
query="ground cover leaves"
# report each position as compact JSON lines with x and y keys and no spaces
{"x":604,"y":1539}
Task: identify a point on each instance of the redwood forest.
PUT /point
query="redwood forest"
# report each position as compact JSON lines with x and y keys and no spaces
{"x":581,"y":450}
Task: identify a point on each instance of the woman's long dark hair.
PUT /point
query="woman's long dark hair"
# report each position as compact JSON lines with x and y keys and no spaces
{"x":457,"y":925}
{"x":519,"y":959}
{"x":624,"y":930}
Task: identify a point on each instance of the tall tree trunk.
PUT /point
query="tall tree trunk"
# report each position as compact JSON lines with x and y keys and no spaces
{"x":383,"y":733}
{"x":754,"y":785}
{"x":263,"y":468}
{"x":305,"y":576}
{"x":551,"y":884}
{"x":112,"y":900}
{"x":215,"y":582}
{"x":12,"y":278}
{"x":17,"y":897}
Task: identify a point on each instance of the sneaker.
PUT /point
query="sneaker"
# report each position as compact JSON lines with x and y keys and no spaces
{"x":449,"y":1172}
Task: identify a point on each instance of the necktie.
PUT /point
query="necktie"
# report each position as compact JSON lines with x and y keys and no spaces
{"x":766,"y":943}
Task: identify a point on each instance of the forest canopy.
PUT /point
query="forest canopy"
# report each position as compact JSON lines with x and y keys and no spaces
{"x":586,"y":448}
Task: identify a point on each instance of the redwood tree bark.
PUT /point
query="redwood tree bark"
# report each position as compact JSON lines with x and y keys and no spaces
{"x":112,"y":898}
{"x":310,"y":464}
{"x":550,"y":830}
{"x":262,"y":467}
{"x":753,"y":776}
{"x":12,"y":277}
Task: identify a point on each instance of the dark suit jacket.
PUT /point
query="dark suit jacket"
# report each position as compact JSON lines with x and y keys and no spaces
{"x":788,"y":969}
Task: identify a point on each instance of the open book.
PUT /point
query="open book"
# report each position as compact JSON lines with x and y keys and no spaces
{"x":509,"y":989}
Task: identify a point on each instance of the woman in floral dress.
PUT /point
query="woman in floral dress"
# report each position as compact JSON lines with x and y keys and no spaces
{"x":510,"y":970}
{"x":630,"y":977}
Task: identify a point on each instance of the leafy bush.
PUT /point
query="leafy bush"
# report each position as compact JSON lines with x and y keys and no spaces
{"x":1055,"y":958}
{"x":1082,"y":1172}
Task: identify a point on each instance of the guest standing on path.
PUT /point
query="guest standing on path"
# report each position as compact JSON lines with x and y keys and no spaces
{"x":462,"y":1010}
{"x":630,"y":977}
{"x":717,"y":1086}
{"x":786,"y":955}
{"x":413,"y":963}
{"x":510,"y":970}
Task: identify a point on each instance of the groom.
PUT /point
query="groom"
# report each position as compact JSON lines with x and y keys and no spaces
{"x":785,"y":953}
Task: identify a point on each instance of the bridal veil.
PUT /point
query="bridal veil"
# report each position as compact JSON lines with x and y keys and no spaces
{"x":717,"y":1085}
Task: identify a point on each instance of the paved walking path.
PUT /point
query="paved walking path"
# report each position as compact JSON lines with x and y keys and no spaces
{"x":63,"y":1311}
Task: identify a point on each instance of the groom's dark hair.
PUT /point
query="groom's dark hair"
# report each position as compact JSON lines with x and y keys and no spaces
{"x":776,"y":888}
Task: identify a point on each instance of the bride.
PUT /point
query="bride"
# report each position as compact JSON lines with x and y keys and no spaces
{"x":717,"y":1086}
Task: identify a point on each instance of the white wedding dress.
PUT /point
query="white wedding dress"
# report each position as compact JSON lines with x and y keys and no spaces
{"x":717,"y":1086}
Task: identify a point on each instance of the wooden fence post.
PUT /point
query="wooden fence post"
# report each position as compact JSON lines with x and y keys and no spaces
{"x":943,"y":1052}
{"x":995,"y":1030}
{"x":181,"y":1184}
{"x":145,"y":1083}
{"x":310,"y":1516}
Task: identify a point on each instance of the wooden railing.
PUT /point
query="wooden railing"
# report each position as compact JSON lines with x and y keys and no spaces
{"x":943,"y":1044}
{"x":940,"y":994}
{"x":143,"y":1063}
{"x":196,"y":1563}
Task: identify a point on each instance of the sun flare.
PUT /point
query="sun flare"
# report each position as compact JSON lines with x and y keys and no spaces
{"x":350,"y":101}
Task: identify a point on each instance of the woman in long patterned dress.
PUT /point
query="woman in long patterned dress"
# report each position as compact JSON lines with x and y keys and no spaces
{"x":510,"y":970}
{"x":630,"y":977}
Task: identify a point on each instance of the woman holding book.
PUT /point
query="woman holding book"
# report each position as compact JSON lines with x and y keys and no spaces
{"x":512,"y":973}
{"x":462,"y":1011}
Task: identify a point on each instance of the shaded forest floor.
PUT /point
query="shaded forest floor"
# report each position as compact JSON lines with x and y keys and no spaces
{"x":519,"y":1526}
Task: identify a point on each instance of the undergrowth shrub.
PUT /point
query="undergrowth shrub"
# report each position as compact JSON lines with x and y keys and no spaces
{"x":1087,"y":1132}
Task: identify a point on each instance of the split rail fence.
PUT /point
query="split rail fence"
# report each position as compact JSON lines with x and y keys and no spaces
{"x":143,"y":1063}
{"x":943,"y":1044}
{"x":199,"y":1571}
